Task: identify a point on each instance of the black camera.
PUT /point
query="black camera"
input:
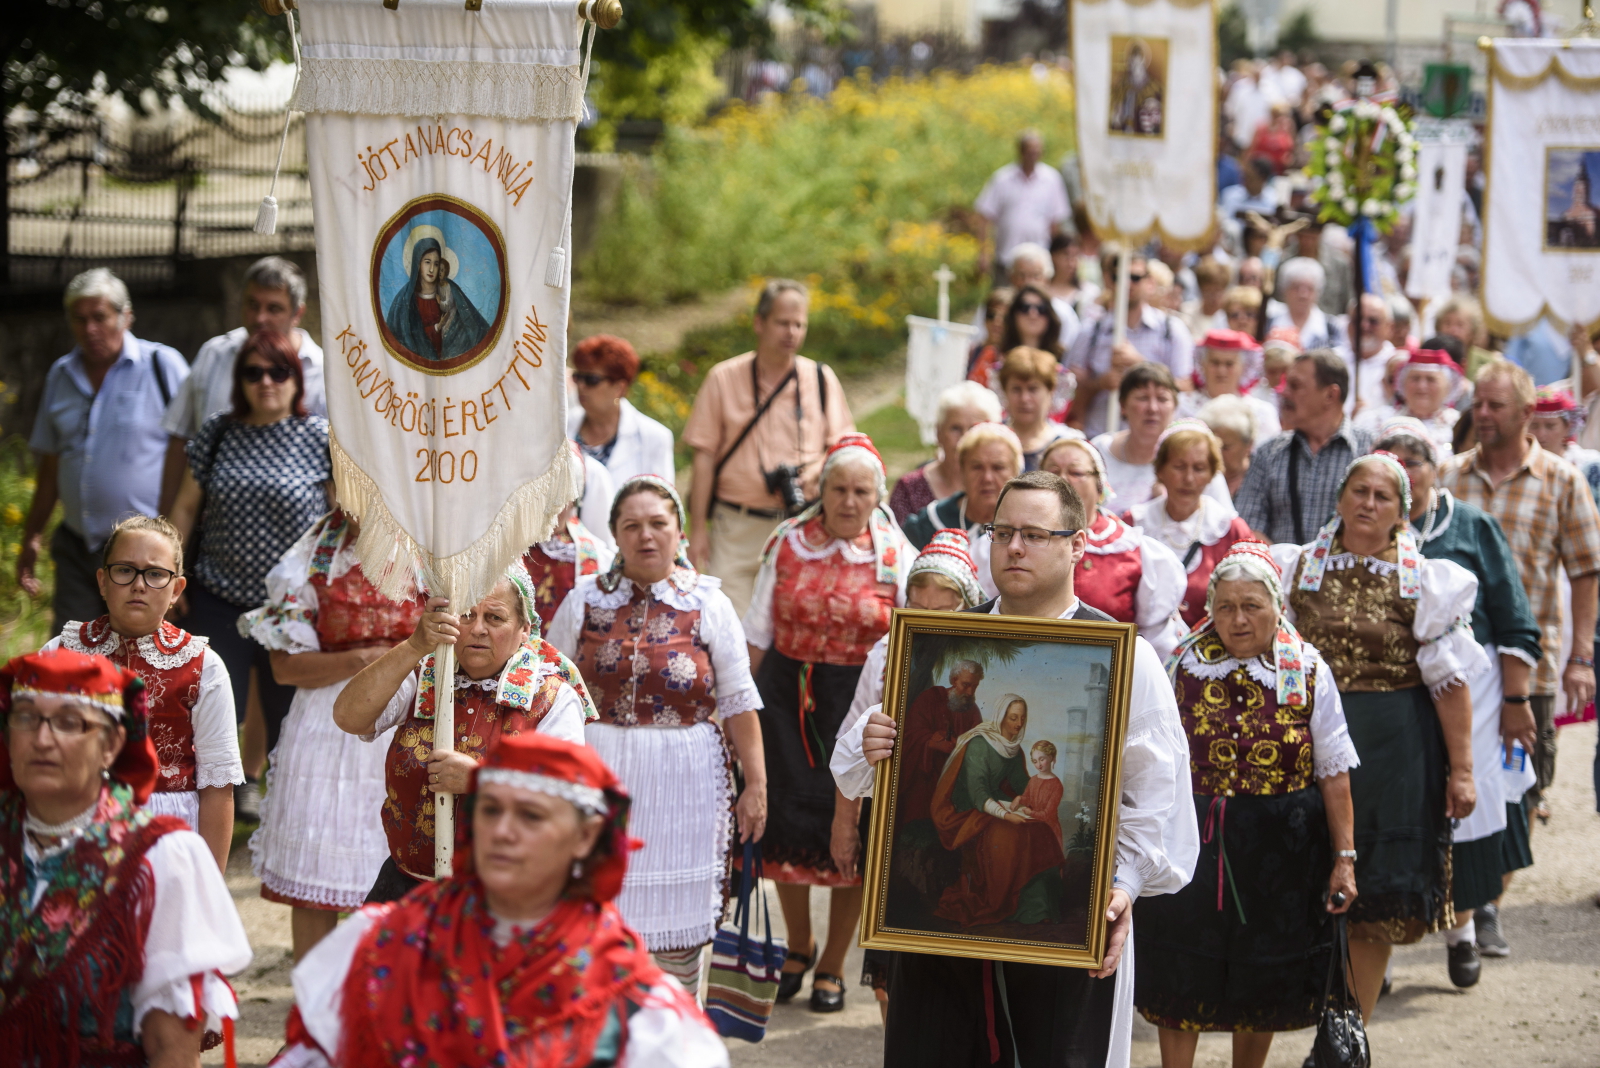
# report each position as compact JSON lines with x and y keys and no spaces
{"x":784,"y":481}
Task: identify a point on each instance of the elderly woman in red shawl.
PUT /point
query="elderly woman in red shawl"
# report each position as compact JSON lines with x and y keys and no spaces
{"x":116,"y":923}
{"x":520,"y":958}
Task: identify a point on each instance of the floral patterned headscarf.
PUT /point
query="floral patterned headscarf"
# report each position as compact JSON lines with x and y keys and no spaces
{"x":649,"y":483}
{"x":1409,"y":556}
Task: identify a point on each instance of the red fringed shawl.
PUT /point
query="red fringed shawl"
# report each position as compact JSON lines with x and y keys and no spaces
{"x":429,"y":985}
{"x":69,"y":961}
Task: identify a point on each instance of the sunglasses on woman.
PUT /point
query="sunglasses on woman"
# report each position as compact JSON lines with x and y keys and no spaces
{"x":255,"y":373}
{"x":589,"y":378}
{"x":1031,"y":308}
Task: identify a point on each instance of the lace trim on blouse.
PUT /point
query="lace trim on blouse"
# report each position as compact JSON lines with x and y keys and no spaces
{"x":560,"y":550}
{"x":805,"y":551}
{"x":154,"y":655}
{"x":684,"y":590}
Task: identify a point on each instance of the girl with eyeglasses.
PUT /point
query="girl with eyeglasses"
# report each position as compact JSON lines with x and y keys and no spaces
{"x":187,"y":689}
{"x":259,"y":477}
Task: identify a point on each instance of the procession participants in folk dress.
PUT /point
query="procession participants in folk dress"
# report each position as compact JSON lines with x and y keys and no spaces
{"x":1198,"y":529}
{"x":1493,"y":841}
{"x":1396,"y":630}
{"x":507,"y":682}
{"x":829,"y":580}
{"x":956,"y":1011}
{"x":942,"y":579}
{"x":187,"y":691}
{"x":1430,"y":384}
{"x":555,"y":565}
{"x":117,"y":925}
{"x":989,"y":453}
{"x":520,"y":958}
{"x":1124,"y":573}
{"x":665,"y":660}
{"x":321,"y":843}
{"x":1244,"y":947}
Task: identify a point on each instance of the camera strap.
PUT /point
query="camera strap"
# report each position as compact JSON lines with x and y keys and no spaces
{"x":761,"y":410}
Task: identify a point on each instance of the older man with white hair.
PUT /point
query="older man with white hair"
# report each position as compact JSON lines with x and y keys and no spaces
{"x":1301,"y":281}
{"x":98,"y":439}
{"x":1022,"y":201}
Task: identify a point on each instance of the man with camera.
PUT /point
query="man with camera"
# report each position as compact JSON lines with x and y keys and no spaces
{"x":760,"y":426}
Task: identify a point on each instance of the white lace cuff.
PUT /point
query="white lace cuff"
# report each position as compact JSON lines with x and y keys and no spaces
{"x":218,"y":773}
{"x":746,"y":700}
{"x":1341,"y":757}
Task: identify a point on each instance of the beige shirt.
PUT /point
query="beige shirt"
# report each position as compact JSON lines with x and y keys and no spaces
{"x":725,"y":404}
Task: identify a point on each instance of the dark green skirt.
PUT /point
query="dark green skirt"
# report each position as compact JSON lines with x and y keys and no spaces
{"x":1476,"y":868}
{"x":1402,"y":833}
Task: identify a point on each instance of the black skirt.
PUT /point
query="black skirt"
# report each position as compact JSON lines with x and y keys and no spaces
{"x":1476,"y":868}
{"x":1402,"y":833}
{"x":800,"y":788}
{"x":1257,"y":962}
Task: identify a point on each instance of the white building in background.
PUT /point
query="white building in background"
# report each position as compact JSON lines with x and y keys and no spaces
{"x":897,"y":18}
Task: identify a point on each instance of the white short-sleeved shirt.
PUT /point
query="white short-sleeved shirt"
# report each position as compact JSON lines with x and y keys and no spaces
{"x":1023,"y":207}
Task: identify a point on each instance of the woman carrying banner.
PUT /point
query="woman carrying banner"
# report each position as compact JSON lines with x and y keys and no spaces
{"x":829,"y":579}
{"x":1243,"y":947}
{"x":1198,"y":529}
{"x":117,"y":925}
{"x":1396,"y":630}
{"x":259,"y":477}
{"x":187,"y":691}
{"x":320,"y":844}
{"x":1125,"y":574}
{"x":507,"y":682}
{"x":664,"y":656}
{"x":519,"y":957}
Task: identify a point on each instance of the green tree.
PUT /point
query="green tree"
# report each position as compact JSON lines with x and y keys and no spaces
{"x":1232,"y":40}
{"x":1299,"y":34}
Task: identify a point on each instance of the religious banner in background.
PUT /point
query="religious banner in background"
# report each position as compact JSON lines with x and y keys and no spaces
{"x":1145,"y":86}
{"x":1541,"y":239}
{"x":440,"y":143}
{"x":1441,"y":167}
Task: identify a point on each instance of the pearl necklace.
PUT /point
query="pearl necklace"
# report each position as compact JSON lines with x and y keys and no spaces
{"x":39,"y":829}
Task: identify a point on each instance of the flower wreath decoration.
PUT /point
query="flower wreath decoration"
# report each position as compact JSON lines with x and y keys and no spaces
{"x":1365,"y":156}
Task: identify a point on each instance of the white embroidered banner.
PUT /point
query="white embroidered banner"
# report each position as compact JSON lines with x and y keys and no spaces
{"x":1146,"y":99}
{"x":1541,"y":227}
{"x":440,"y":143}
{"x":936,"y":359}
{"x":1436,"y":213}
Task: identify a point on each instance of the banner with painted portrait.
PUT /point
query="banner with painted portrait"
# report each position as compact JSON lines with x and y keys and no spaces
{"x":1145,"y":82}
{"x":1541,"y":240}
{"x":441,"y":152}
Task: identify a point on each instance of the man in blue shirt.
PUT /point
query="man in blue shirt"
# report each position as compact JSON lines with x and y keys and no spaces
{"x":99,"y":440}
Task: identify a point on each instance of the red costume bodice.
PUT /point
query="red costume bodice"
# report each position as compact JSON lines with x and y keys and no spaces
{"x":1108,"y":579}
{"x":828,"y":606}
{"x":352,"y":613}
{"x":170,"y":662}
{"x":1193,"y":607}
{"x":1241,"y":741}
{"x":646,"y":665}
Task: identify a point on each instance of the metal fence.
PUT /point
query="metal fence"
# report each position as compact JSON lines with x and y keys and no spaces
{"x":140,"y":194}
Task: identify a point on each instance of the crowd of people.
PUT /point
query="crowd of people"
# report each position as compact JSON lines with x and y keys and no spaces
{"x":1364,"y":580}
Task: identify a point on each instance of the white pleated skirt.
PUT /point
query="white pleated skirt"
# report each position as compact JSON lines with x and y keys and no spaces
{"x":321,"y":840}
{"x":682,"y":810}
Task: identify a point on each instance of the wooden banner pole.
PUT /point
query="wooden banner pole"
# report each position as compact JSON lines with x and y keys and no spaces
{"x":1119,"y":332}
{"x":444,"y":737}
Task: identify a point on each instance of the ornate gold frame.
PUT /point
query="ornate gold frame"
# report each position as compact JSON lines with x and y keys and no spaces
{"x":907,"y":624}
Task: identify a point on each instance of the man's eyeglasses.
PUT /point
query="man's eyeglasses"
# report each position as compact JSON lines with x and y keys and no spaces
{"x":68,"y":723}
{"x":589,"y":378}
{"x":1032,"y":537}
{"x":1135,"y":279}
{"x":255,"y":373}
{"x":154,"y":577}
{"x":1030,"y":308}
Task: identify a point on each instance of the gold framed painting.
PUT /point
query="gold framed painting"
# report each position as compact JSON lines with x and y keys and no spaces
{"x":995,"y":819}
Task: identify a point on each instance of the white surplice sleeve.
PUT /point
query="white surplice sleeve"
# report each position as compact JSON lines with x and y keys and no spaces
{"x":194,"y":931}
{"x":565,"y":718}
{"x":758,"y":618}
{"x":216,"y":732}
{"x":869,"y":686}
{"x":851,"y":772}
{"x":1449,"y":655}
{"x":1332,"y":750}
{"x":723,"y":636}
{"x":1162,"y":583}
{"x":394,"y":713}
{"x":1157,"y":837}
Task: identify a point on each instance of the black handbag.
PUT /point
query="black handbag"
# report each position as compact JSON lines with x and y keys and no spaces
{"x":1341,"y":1038}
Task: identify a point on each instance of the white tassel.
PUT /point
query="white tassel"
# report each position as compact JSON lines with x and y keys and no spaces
{"x":267,"y":215}
{"x":555,"y":271}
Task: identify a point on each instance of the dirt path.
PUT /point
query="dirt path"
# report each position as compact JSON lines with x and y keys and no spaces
{"x":656,"y":329}
{"x":1538,"y":1007}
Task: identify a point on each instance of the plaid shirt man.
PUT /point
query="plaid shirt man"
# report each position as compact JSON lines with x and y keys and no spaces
{"x":1550,"y":519}
{"x":1264,"y":500}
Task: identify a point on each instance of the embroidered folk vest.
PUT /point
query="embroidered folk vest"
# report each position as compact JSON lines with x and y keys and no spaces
{"x":646,"y":665}
{"x":169,"y":661}
{"x":1241,"y":741}
{"x":1109,"y":580}
{"x":352,"y":613}
{"x":480,"y":721}
{"x":1359,"y":623}
{"x":828,"y":606}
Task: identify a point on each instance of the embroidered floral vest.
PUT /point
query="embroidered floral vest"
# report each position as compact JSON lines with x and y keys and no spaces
{"x":1359,"y":623}
{"x":1241,"y":741}
{"x":646,"y":665}
{"x":480,"y":721}
{"x":1107,"y":577}
{"x":352,"y":613}
{"x":828,"y":606}
{"x":169,"y":661}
